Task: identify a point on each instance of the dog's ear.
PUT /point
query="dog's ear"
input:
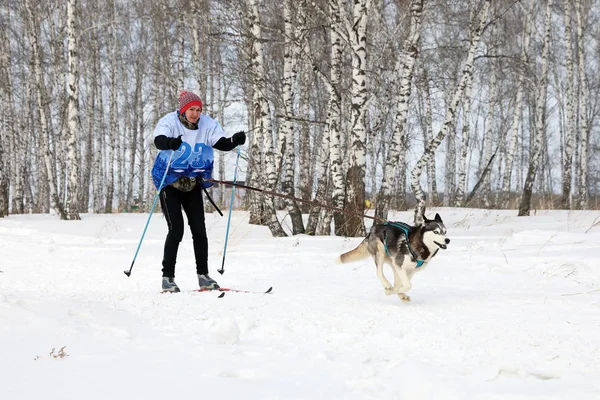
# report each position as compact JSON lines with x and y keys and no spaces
{"x":438,"y":218}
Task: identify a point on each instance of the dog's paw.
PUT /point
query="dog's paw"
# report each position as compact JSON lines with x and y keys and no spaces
{"x":389,"y":291}
{"x":404,"y":296}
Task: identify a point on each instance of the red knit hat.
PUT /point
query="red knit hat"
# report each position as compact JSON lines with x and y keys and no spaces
{"x":188,"y":99}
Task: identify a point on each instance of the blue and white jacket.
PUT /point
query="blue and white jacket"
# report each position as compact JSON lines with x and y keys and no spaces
{"x":195,"y":156}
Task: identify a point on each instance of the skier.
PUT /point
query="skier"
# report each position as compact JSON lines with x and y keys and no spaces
{"x":192,"y":136}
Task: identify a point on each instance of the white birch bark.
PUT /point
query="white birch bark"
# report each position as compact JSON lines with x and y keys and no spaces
{"x":4,"y":163}
{"x":333,"y":130}
{"x":450,"y":159}
{"x":44,"y":122}
{"x":492,"y":112}
{"x":427,"y":136}
{"x":540,"y":118}
{"x":9,"y":166}
{"x":465,"y":140}
{"x":4,"y":171}
{"x":290,"y":59}
{"x":73,"y":122}
{"x":87,"y":158}
{"x":181,"y":52}
{"x":112,"y":135}
{"x":513,"y":135}
{"x":355,"y":176}
{"x":132,"y":144}
{"x":567,"y":171}
{"x":396,"y":154}
{"x":99,"y":135}
{"x":328,"y":167}
{"x":583,"y":196}
{"x":306,"y":162}
{"x":261,"y":105}
{"x":199,"y":51}
{"x":450,"y":114}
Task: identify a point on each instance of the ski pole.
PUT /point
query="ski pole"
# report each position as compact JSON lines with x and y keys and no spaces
{"x":128,"y":273}
{"x":222,"y":270}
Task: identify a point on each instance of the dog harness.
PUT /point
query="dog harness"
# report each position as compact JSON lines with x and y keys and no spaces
{"x":405,"y":228}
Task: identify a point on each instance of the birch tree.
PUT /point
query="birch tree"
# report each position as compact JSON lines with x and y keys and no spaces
{"x":540,"y":118}
{"x":6,"y":131}
{"x":467,"y":73}
{"x":73,"y":122}
{"x":44,"y":125}
{"x":396,"y":154}
{"x":263,"y":118}
{"x":567,"y":171}
{"x":290,"y":59}
{"x":465,"y":142}
{"x":427,"y":129}
{"x":329,"y":169}
{"x":355,"y":176}
{"x":513,"y":134}
{"x":4,"y":182}
{"x":111,"y":135}
{"x":583,"y":107}
{"x":489,"y":121}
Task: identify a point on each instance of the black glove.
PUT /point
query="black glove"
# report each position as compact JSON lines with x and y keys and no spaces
{"x":174,"y":143}
{"x":238,"y":138}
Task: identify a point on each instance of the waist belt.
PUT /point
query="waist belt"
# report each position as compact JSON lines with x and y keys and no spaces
{"x":185,"y":184}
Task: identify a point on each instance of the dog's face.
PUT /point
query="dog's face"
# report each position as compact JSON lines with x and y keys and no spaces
{"x":435,"y":234}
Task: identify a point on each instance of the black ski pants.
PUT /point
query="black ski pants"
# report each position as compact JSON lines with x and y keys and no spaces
{"x":172,"y":201}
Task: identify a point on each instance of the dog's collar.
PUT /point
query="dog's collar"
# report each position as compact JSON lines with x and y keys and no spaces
{"x":405,"y":228}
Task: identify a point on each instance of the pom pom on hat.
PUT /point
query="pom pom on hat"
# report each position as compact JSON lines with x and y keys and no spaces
{"x":188,"y":99}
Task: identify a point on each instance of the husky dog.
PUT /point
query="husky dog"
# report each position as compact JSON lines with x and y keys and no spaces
{"x":406,"y":248}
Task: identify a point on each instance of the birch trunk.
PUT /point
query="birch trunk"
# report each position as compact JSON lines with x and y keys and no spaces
{"x":15,"y":142}
{"x":513,"y":135}
{"x":306,"y":152}
{"x":583,"y":109}
{"x":355,"y":176}
{"x":99,"y":134}
{"x":261,"y":105}
{"x":540,"y":118}
{"x":328,"y":168}
{"x":181,"y":52}
{"x":112,"y":135}
{"x":450,"y":115}
{"x":396,"y":155}
{"x":492,"y":112}
{"x":290,"y":59}
{"x":461,"y":185}
{"x":44,"y":122}
{"x":4,"y":171}
{"x":7,"y":132}
{"x":87,"y":153}
{"x":73,"y":123}
{"x":427,"y":128}
{"x":333,"y":131}
{"x":567,"y":172}
{"x":450,"y":161}
{"x":199,"y":12}
{"x":4,"y":164}
{"x":134,"y":138}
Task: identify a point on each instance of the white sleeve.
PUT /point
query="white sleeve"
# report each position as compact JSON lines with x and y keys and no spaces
{"x":215,"y":132}
{"x":163,"y":127}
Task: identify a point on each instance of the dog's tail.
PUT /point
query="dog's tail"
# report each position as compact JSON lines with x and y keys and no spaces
{"x":357,"y":254}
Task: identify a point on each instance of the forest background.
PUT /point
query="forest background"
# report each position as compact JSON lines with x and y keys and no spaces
{"x":382,"y":104}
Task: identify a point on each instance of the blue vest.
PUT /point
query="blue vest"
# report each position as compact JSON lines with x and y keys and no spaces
{"x":186,"y":162}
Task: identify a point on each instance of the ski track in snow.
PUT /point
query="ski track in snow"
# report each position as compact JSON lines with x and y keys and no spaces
{"x":510,"y":311}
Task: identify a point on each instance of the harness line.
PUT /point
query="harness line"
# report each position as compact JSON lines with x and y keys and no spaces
{"x":401,"y":225}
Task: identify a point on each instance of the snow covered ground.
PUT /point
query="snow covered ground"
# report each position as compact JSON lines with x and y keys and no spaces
{"x":510,"y":311}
